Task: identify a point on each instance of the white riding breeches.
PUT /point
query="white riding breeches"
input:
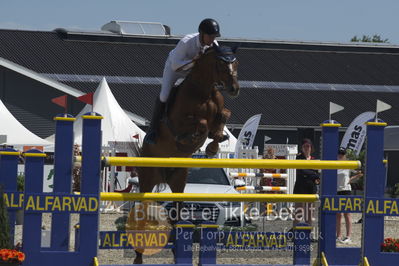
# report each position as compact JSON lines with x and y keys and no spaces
{"x":168,"y":80}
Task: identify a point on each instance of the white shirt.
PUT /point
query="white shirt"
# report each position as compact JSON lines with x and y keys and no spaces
{"x":343,"y":176}
{"x":185,"y":51}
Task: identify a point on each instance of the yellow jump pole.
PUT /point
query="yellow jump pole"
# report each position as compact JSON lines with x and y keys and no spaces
{"x":231,"y":163}
{"x":114,"y":196}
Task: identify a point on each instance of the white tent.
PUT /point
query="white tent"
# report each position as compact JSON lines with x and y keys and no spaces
{"x":17,"y":134}
{"x":116,"y":125}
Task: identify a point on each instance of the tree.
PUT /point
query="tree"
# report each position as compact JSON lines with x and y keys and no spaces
{"x":366,"y":38}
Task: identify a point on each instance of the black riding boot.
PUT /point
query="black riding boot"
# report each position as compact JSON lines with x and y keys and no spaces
{"x":152,"y":133}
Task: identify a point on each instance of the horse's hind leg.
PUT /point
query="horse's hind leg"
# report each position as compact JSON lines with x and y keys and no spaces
{"x":176,"y":180}
{"x":139,"y":258}
{"x":149,"y":177}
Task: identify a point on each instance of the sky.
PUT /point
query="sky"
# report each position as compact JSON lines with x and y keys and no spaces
{"x":289,"y":20}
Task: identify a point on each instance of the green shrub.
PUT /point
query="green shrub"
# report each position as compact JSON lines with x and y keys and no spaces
{"x":5,"y":237}
{"x":21,"y":182}
{"x":120,"y":223}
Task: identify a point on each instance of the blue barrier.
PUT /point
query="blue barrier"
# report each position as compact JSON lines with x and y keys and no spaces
{"x":328,"y":188}
{"x":371,"y":204}
{"x":61,"y":203}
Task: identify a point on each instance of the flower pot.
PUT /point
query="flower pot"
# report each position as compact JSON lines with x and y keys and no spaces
{"x":8,"y":264}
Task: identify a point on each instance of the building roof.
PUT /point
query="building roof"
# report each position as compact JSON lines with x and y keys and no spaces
{"x":291,"y":83}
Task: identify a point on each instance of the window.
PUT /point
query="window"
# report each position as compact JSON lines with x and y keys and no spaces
{"x":215,"y":176}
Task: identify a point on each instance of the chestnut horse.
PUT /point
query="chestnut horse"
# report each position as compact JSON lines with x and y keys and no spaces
{"x":197,"y":112}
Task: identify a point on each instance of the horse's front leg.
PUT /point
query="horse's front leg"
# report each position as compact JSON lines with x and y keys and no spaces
{"x":138,"y":219}
{"x":177,"y":182}
{"x":216,"y":132}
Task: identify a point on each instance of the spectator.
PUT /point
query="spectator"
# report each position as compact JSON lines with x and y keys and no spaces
{"x":306,"y":183}
{"x":76,"y":170}
{"x":270,"y":154}
{"x":344,"y":188}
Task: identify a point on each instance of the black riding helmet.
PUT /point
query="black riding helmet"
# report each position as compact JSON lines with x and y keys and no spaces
{"x":209,"y":26}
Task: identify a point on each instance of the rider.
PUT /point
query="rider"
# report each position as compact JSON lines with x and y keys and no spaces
{"x":178,"y":64}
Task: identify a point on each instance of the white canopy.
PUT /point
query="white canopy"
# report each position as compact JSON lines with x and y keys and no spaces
{"x":116,"y":125}
{"x":17,"y":134}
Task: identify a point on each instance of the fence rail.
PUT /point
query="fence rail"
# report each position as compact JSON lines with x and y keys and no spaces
{"x":231,"y":163}
{"x":113,"y":196}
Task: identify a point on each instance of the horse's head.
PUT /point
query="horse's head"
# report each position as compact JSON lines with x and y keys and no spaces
{"x":226,"y":69}
{"x":222,"y":64}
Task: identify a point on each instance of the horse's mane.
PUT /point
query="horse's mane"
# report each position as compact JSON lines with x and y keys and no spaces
{"x":224,"y":53}
{"x":209,"y":50}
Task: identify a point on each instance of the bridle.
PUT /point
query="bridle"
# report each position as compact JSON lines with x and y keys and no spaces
{"x":229,"y":60}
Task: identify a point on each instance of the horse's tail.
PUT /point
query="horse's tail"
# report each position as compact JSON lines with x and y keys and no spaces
{"x":160,"y":187}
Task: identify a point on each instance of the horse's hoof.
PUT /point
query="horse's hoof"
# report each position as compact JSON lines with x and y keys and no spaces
{"x":225,"y":137}
{"x":138,"y":261}
{"x":174,"y":255}
{"x":211,"y":152}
